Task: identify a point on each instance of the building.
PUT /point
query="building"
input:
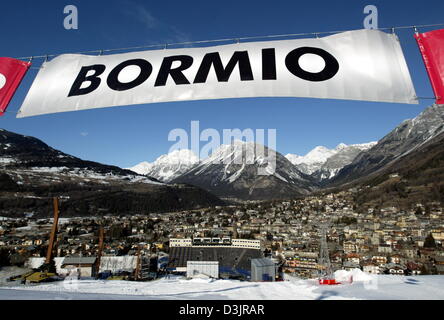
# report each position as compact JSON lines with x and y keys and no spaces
{"x":263,"y":270}
{"x":246,"y":243}
{"x":180,"y":243}
{"x":371,"y":268}
{"x":380,"y":260}
{"x":231,"y":260}
{"x":384,"y":248}
{"x":207,"y":268}
{"x":84,"y":265}
{"x":211,"y":242}
{"x":349,"y":247}
{"x":118,"y":263}
{"x":439,"y":264}
{"x":395,"y":269}
{"x":234,"y":256}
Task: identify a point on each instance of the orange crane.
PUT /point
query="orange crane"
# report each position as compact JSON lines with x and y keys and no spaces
{"x":100,"y":250}
{"x":139,"y":264}
{"x":47,"y":271}
{"x":52,"y":237}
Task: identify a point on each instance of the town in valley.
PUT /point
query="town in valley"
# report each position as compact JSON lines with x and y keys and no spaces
{"x":381,"y":240}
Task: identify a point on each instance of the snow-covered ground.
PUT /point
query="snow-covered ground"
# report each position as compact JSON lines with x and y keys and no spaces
{"x":90,"y":174}
{"x":363,"y":287}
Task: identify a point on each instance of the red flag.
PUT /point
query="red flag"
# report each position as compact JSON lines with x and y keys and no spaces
{"x":431,"y":45}
{"x":12,"y":72}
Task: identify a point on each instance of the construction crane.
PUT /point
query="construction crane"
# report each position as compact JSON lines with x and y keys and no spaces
{"x":326,"y":275}
{"x":100,"y":250}
{"x":47,"y":271}
{"x":137,"y":275}
{"x":52,"y":237}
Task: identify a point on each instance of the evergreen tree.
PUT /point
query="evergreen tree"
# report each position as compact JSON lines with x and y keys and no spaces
{"x":429,"y":242}
{"x":418,"y":211}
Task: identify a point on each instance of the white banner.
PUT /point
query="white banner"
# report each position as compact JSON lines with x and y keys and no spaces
{"x":354,"y":65}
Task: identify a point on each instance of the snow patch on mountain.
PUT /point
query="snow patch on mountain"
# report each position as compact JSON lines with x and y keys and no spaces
{"x":236,"y":156}
{"x":61,"y":173}
{"x":168,"y":166}
{"x":312,"y":160}
{"x":324,"y":163}
{"x":6,"y":160}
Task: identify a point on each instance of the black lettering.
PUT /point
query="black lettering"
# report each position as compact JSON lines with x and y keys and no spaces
{"x":223,"y":74}
{"x":268,"y":64}
{"x":176,"y":73}
{"x":330,"y":70}
{"x":82,"y":77}
{"x":145,"y":71}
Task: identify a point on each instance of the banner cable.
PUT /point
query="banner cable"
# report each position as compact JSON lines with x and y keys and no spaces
{"x":236,"y":40}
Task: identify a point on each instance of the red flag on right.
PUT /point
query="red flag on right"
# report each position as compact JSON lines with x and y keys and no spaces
{"x":431,"y":45}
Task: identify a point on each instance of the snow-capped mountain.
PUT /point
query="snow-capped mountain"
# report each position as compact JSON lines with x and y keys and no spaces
{"x":323,"y":163}
{"x":313,"y":160}
{"x":404,"y":139}
{"x":246,"y":170}
{"x":169,"y":166}
{"x":340,"y":159}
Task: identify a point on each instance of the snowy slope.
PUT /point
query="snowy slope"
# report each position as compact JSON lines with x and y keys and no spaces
{"x":25,"y":157}
{"x":168,"y":166}
{"x":364,"y":286}
{"x":313,"y":160}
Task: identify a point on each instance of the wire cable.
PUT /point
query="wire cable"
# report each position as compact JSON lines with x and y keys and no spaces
{"x":236,"y":40}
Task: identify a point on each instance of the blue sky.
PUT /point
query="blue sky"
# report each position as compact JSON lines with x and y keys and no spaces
{"x":127,"y":135}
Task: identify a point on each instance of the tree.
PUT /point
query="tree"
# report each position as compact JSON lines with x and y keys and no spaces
{"x":117,"y":232}
{"x":17,"y":260}
{"x":429,"y":241}
{"x":418,"y":211}
{"x":4,"y":257}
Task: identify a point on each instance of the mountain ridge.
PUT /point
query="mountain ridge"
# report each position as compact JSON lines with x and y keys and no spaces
{"x":323,"y":163}
{"x":232,"y":172}
{"x":405,"y":138}
{"x":168,"y":166}
{"x":31,"y":172}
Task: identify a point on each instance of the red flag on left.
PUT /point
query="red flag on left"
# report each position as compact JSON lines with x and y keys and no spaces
{"x":12,"y":72}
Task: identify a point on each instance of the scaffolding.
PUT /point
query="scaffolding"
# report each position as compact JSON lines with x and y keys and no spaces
{"x":326,"y":275}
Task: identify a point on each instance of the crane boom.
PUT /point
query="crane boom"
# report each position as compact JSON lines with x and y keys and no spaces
{"x":53,"y":234}
{"x":139,"y":264}
{"x":100,"y":249}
